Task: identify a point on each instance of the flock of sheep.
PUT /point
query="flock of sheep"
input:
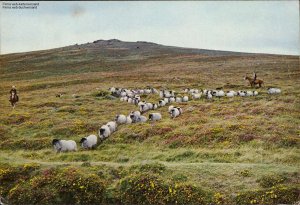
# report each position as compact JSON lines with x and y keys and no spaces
{"x":133,"y":96}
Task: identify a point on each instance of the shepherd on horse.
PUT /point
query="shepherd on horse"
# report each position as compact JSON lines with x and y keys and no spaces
{"x":14,"y":98}
{"x":254,"y":81}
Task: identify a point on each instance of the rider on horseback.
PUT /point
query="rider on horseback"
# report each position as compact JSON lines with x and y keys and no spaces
{"x":14,"y":98}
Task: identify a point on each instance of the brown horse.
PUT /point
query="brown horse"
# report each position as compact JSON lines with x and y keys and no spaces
{"x":14,"y":98}
{"x":254,"y":82}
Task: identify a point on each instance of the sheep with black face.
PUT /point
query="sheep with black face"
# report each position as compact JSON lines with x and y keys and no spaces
{"x":89,"y":142}
{"x":104,"y":132}
{"x":155,"y":116}
{"x":64,"y":145}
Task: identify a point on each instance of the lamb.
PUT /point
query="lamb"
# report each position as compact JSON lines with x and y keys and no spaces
{"x":104,"y":132}
{"x":154,"y":116}
{"x":64,"y":145}
{"x":89,"y":142}
{"x":120,"y":119}
{"x":112,"y":126}
{"x":255,"y":93}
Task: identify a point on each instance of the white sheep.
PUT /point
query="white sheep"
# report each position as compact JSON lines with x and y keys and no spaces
{"x":170,"y":108}
{"x":150,"y":106}
{"x":175,"y":112}
{"x":141,"y":119}
{"x":128,"y":120}
{"x":143,"y":107}
{"x":220,"y":93}
{"x":229,"y":94}
{"x":178,"y":99}
{"x":232,"y":91}
{"x":154,"y":116}
{"x":249,"y":93}
{"x":161,"y":94}
{"x":196,"y":95}
{"x":134,"y":115}
{"x":171,"y":99}
{"x":255,"y":93}
{"x":209,"y":95}
{"x":185,"y":99}
{"x":154,"y":106}
{"x":274,"y":91}
{"x":64,"y":145}
{"x":89,"y":141}
{"x":120,"y":119}
{"x":161,"y":103}
{"x":112,"y":126}
{"x":129,"y":100}
{"x":166,"y":100}
{"x":104,"y":132}
{"x":242,"y":93}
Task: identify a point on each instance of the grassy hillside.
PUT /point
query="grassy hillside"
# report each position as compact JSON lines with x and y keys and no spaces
{"x":239,"y":150}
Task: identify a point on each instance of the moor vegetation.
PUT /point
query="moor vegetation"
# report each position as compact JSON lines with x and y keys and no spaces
{"x":221,"y":151}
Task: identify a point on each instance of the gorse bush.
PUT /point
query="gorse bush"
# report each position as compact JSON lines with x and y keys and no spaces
{"x":59,"y":186}
{"x":271,"y":180}
{"x":280,"y":194}
{"x":10,"y":175}
{"x":150,"y":189}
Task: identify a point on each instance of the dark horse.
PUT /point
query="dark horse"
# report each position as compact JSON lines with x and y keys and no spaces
{"x":253,"y":81}
{"x":14,"y":98}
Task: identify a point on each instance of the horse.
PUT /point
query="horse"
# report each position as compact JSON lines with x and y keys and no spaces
{"x":254,"y":82}
{"x":14,"y":98}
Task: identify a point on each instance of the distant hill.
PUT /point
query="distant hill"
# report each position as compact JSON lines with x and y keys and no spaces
{"x":100,"y":55}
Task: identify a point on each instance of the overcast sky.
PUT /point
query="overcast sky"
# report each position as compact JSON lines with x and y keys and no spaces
{"x":251,"y":26}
